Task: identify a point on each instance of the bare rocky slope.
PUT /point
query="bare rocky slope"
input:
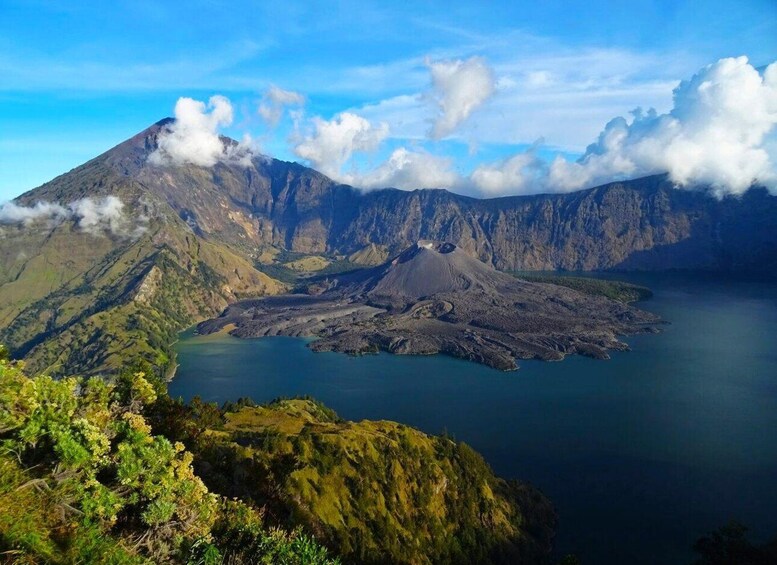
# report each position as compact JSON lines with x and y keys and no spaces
{"x":639,"y":224}
{"x":434,"y":298}
{"x":70,"y":300}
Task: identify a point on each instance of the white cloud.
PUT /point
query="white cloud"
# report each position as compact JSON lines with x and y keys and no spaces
{"x":522,"y":173}
{"x":408,"y":170}
{"x":243,"y":152}
{"x":718,"y":134}
{"x":460,"y":87}
{"x":194,"y":136}
{"x":11,"y":213}
{"x":96,"y":216}
{"x":275,"y":101}
{"x":334,"y":141}
{"x":545,"y":90}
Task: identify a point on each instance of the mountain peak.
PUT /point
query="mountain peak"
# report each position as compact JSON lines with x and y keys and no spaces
{"x":423,"y":269}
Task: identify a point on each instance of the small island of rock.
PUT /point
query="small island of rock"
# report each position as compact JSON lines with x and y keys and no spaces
{"x":435,"y":298}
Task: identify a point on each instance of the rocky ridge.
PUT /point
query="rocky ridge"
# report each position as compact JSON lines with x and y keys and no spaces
{"x":67,"y":297}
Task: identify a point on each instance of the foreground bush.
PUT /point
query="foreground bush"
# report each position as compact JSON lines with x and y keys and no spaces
{"x":84,"y":480}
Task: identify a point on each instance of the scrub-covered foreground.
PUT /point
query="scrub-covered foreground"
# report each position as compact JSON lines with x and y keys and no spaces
{"x":118,"y":472}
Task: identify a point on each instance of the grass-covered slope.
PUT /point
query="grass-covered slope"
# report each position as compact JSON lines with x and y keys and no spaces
{"x":78,"y":302}
{"x":374,"y":492}
{"x":118,"y":472}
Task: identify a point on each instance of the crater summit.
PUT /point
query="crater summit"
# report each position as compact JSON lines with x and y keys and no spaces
{"x":435,"y":298}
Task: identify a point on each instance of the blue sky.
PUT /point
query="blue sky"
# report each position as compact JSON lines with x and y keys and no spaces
{"x":78,"y":77}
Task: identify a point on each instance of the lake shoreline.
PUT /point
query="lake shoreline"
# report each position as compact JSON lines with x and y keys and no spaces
{"x":653,"y":448}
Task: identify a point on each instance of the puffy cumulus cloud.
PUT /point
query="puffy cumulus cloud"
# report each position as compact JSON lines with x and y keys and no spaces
{"x":275,"y":101}
{"x":718,"y":134}
{"x":333,"y":142}
{"x":409,"y":170}
{"x":459,"y":87}
{"x":96,"y":216}
{"x":193,"y":138}
{"x":523,"y":173}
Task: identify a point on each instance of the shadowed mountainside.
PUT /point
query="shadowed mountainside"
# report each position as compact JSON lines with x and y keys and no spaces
{"x":70,"y":300}
{"x":639,"y":224}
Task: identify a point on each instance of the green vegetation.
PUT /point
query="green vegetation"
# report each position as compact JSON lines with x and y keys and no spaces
{"x":122,"y":302}
{"x":279,"y":273}
{"x":374,"y":492}
{"x":615,"y":290}
{"x":371,"y":254}
{"x":300,"y":270}
{"x":83,"y":479}
{"x":118,"y":472}
{"x":308,"y":264}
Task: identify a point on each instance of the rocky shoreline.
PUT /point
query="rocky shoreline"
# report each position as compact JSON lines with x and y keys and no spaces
{"x":434,"y":298}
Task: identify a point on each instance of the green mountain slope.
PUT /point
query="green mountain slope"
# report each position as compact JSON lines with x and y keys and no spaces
{"x":190,"y":237}
{"x":374,"y":492}
{"x":75,"y":301}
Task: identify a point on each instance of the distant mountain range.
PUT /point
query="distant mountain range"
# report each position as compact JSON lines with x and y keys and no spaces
{"x":193,"y":239}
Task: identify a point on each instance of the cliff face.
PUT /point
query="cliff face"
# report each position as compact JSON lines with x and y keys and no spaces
{"x":639,"y":224}
{"x":205,"y":227}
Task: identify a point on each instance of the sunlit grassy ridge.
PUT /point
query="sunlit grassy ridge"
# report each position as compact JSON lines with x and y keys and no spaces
{"x":375,"y":491}
{"x":96,"y":471}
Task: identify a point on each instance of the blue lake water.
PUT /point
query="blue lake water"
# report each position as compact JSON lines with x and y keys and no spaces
{"x":640,"y":454}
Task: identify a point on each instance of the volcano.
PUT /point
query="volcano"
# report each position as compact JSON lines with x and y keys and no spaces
{"x":434,"y":298}
{"x":185,"y":241}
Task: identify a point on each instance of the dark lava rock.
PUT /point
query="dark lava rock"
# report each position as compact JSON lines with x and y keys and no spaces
{"x":435,"y":298}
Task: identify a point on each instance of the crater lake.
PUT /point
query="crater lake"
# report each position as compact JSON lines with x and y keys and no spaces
{"x":641,"y":454}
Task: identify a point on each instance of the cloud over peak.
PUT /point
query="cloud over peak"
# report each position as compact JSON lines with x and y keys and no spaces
{"x":193,"y":138}
{"x":718,"y":133}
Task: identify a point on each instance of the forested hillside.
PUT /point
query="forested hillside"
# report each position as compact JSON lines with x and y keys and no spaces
{"x":99,"y":472}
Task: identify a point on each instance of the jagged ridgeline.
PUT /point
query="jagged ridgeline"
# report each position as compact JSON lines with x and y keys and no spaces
{"x":189,"y":239}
